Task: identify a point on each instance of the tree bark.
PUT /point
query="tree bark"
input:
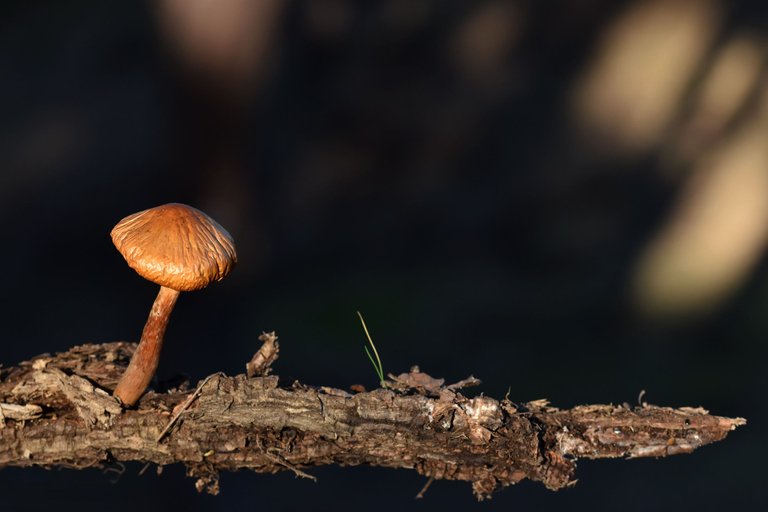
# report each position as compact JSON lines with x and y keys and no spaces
{"x":57,"y":411}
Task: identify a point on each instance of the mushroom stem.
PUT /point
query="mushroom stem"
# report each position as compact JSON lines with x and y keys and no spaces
{"x":147,"y":356}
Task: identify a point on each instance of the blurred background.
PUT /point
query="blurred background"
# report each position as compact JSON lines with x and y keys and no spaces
{"x":568,"y":200}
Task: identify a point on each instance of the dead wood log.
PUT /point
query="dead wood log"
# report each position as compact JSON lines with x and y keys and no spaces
{"x":57,"y":411}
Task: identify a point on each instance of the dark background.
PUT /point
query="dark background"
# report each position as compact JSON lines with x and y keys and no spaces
{"x":434,"y":164}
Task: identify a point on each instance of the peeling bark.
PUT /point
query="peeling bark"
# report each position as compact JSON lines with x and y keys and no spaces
{"x":57,"y":411}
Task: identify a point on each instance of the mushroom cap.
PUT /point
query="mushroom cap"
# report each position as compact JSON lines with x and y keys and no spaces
{"x":176,"y":246}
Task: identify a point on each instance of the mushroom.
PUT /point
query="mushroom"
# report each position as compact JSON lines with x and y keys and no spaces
{"x":181,"y":249}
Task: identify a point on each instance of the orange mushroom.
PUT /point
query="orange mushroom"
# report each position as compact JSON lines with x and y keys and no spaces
{"x":181,"y":249}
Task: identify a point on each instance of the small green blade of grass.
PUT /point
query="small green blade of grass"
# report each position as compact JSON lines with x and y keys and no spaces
{"x":377,"y":366}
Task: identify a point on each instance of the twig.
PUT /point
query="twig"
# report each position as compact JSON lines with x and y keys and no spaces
{"x":118,"y":468}
{"x":424,"y":489}
{"x":186,"y":405}
{"x":281,"y":461}
{"x":277,"y":459}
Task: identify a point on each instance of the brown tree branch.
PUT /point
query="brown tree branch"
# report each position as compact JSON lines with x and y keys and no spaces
{"x":57,"y":411}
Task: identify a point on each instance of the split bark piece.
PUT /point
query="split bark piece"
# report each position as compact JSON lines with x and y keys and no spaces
{"x":261,"y":362}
